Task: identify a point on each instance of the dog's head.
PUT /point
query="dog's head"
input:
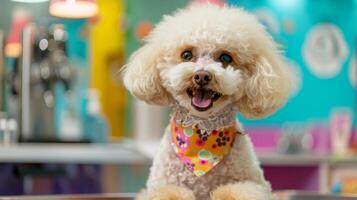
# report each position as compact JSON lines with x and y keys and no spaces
{"x":207,"y":57}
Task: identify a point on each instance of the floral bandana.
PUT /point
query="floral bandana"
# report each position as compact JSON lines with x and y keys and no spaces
{"x":201,"y":150}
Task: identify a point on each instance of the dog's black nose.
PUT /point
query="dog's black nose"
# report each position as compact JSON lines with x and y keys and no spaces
{"x":202,"y":77}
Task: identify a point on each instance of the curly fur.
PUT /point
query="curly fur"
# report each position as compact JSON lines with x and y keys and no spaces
{"x":222,"y":119}
{"x":142,"y":76}
{"x":245,"y":190}
{"x":255,"y":84}
{"x":167,"y":192}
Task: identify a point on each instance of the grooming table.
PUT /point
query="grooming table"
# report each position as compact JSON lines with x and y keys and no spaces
{"x":283,"y":195}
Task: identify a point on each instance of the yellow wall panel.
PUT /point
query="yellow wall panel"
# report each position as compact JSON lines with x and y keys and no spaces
{"x":107,"y":43}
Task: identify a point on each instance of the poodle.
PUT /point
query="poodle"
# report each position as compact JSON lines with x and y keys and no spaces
{"x":208,"y":62}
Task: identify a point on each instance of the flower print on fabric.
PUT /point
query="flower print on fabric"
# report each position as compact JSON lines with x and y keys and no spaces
{"x":223,"y":138}
{"x":201,"y":150}
{"x":181,"y":139}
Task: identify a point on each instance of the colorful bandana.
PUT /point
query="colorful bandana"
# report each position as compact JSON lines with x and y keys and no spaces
{"x":201,"y":150}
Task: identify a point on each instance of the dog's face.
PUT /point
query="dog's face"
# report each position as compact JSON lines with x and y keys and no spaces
{"x":206,"y":58}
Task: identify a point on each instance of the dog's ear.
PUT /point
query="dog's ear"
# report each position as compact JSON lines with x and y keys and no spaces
{"x":141,"y":75}
{"x":268,"y":86}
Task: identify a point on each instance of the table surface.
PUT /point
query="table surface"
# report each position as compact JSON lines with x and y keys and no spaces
{"x":130,"y":152}
{"x":117,"y":153}
{"x":128,"y":196}
{"x":282,"y":195}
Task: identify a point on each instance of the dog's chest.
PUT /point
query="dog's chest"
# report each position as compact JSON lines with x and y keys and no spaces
{"x":169,"y":169}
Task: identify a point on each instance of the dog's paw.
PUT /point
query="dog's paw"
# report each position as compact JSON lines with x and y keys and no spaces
{"x":169,"y":192}
{"x":242,"y":191}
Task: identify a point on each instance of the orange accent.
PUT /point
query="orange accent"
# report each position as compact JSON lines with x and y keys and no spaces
{"x":143,"y":29}
{"x":201,"y":150}
{"x":349,"y":186}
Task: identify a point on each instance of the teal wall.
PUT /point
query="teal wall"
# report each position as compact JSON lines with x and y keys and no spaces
{"x":317,"y":97}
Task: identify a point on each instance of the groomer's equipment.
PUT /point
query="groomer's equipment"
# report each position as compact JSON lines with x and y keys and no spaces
{"x":44,"y":68}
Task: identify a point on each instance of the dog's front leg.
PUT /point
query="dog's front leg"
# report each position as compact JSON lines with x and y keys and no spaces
{"x":168,"y":192}
{"x":246,"y":190}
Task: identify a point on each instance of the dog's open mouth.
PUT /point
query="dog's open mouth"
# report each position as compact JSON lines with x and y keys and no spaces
{"x":202,"y":99}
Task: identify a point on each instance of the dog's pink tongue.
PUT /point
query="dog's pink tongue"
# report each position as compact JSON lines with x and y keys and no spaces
{"x":202,"y":100}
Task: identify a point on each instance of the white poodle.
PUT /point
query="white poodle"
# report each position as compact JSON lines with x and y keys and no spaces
{"x":208,"y":63}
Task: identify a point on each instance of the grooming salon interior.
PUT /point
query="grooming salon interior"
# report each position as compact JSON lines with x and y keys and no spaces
{"x":70,"y":129}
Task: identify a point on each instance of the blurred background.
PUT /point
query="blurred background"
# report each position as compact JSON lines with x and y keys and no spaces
{"x":67,"y":125}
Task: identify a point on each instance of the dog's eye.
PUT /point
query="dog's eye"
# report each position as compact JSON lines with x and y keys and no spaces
{"x":225,"y":58}
{"x":187,"y":55}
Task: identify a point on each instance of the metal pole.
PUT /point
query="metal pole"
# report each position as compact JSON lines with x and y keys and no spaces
{"x":24,"y":68}
{"x":2,"y":71}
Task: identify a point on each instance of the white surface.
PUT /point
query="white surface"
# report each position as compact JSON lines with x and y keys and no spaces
{"x":148,"y":148}
{"x":149,"y":121}
{"x":120,"y":153}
